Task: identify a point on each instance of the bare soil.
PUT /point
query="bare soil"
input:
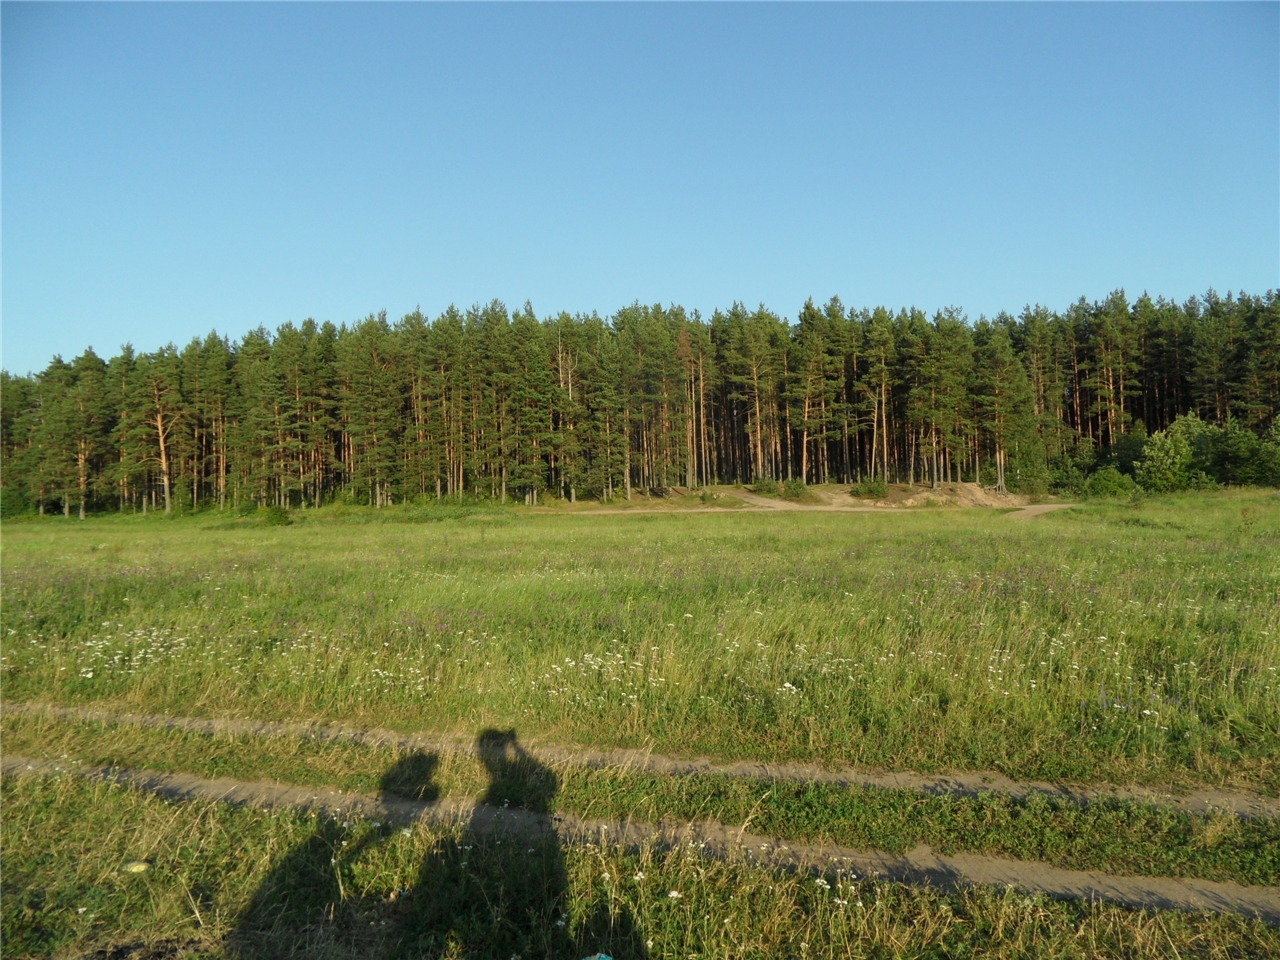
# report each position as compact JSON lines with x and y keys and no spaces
{"x":922,"y":495}
{"x":1036,"y":509}
{"x":827,"y":497}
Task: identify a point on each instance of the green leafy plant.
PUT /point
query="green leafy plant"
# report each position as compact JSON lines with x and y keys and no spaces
{"x":873,"y":488}
{"x":1110,"y":482}
{"x":276,"y":516}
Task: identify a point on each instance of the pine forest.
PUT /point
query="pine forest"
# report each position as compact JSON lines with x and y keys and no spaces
{"x":502,"y":405}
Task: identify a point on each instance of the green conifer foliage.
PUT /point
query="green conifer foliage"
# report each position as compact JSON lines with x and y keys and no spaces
{"x":497,"y":404}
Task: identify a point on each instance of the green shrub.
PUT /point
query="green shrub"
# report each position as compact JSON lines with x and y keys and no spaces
{"x":276,"y":516}
{"x":873,"y":488}
{"x":1194,"y":455}
{"x":1068,"y":472}
{"x":1110,"y":482}
{"x":793,"y":489}
{"x":767,"y":486}
{"x":1239,"y":457}
{"x":1128,"y":449}
{"x":1165,"y":463}
{"x":14,"y":502}
{"x":1028,"y":474}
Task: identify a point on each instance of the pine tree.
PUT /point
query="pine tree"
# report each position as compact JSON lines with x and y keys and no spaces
{"x":156,"y":395}
{"x":488,"y":402}
{"x":531,"y":405}
{"x":17,"y":399}
{"x":1003,"y":395}
{"x":879,"y":349}
{"x":371,"y":401}
{"x":88,"y":423}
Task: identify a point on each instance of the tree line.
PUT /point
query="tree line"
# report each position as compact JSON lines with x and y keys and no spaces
{"x":498,"y":404}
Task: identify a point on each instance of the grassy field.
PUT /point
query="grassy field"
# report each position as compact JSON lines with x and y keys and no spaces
{"x":1124,"y":837}
{"x":1108,"y":642}
{"x":1123,"y":643}
{"x":231,"y":882}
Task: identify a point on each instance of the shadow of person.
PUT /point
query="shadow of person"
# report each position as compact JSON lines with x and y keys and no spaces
{"x":611,"y":930}
{"x":498,"y":888}
{"x":291,"y":905}
{"x":413,"y":778}
{"x":305,"y":905}
{"x":516,"y":779}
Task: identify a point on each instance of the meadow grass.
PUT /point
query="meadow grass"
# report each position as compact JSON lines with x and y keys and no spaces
{"x":1124,"y":642}
{"x":227,"y":881}
{"x":1109,"y":835}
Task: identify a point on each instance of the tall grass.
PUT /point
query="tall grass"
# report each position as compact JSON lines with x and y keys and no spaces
{"x":225,"y":881}
{"x":1110,"y":835}
{"x":1135,"y":641}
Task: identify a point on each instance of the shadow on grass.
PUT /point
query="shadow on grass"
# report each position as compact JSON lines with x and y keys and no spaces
{"x":496,"y":889}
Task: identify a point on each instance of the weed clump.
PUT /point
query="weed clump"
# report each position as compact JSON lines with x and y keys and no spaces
{"x":1111,"y":483}
{"x":873,"y":488}
{"x":766,"y":486}
{"x":276,"y":516}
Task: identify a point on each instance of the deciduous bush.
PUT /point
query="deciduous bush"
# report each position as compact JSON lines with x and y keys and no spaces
{"x":1110,"y":482}
{"x":1166,"y":462}
{"x":873,"y":488}
{"x":1194,"y":455}
{"x":276,"y":516}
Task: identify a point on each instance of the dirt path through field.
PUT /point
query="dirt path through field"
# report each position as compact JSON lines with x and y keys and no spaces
{"x":1037,"y":509}
{"x":920,"y":866}
{"x":758,"y":504}
{"x":751,"y":504}
{"x":765,"y":503}
{"x":768,"y":503}
{"x":1197,"y":800}
{"x":827,"y":499}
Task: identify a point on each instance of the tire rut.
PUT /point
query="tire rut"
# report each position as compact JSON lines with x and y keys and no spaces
{"x":1199,"y":801}
{"x":1037,"y":509}
{"x":921,"y":866}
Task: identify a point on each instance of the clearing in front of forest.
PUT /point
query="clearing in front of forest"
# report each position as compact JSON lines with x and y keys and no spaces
{"x":1122,"y":644}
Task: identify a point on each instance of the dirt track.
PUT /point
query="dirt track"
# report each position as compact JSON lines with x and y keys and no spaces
{"x":1037,"y":509}
{"x":754,"y":503}
{"x":968,"y":783}
{"x":1034,"y":510}
{"x":920,"y":866}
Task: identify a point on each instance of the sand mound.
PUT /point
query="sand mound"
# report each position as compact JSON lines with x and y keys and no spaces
{"x":921,"y":495}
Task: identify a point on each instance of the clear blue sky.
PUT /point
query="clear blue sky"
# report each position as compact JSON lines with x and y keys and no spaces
{"x":173,"y":168}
